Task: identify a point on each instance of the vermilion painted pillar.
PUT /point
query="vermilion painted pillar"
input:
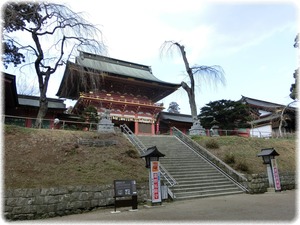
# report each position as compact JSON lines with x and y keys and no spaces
{"x":51,"y":124}
{"x":152,"y":128}
{"x":157,"y":127}
{"x":136,"y":127}
{"x":28,"y":122}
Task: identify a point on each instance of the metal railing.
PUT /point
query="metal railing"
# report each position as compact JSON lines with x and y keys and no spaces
{"x":226,"y":170}
{"x":48,"y":123}
{"x":133,"y":139}
{"x":142,"y":148}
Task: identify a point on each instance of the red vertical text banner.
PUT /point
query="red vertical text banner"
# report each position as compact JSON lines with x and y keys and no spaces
{"x":276,"y":178}
{"x":155,"y":182}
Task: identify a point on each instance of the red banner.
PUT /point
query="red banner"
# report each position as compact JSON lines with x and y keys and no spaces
{"x":155,"y":182}
{"x":276,"y":178}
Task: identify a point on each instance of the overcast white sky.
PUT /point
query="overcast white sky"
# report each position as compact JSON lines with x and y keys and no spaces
{"x":251,"y":40}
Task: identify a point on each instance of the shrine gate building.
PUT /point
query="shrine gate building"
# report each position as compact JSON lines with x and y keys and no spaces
{"x":129,"y":90}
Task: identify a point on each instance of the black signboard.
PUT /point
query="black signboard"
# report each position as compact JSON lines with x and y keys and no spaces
{"x":125,"y":188}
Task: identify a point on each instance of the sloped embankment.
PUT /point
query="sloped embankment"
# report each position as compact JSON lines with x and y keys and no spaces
{"x":36,"y":158}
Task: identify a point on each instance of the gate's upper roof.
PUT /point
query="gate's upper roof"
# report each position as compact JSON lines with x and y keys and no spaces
{"x":90,"y":70}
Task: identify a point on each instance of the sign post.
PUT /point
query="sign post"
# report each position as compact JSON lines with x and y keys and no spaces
{"x":152,"y":161}
{"x":276,"y":178}
{"x":268,"y":156}
{"x":125,"y":188}
{"x":155,"y":182}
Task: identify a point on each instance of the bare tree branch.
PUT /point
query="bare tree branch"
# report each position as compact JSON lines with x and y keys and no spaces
{"x":51,"y":23}
{"x":215,"y":73}
{"x":282,"y":118}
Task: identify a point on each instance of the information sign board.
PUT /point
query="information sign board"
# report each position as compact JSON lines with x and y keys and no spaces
{"x":125,"y":188}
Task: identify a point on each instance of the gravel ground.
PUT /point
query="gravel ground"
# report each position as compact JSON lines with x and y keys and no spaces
{"x":267,"y":207}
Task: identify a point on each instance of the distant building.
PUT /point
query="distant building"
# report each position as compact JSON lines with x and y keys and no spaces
{"x":26,"y":107}
{"x":267,"y":117}
{"x":167,"y":120}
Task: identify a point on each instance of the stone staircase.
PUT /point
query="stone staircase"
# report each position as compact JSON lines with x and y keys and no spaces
{"x":195,"y":177}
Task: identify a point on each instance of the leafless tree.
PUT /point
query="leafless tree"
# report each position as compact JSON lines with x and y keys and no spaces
{"x":283,"y":117}
{"x":195,"y":73}
{"x":27,"y":85}
{"x":54,"y":36}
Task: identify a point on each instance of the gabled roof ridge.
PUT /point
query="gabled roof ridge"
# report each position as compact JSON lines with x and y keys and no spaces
{"x":103,"y":58}
{"x":34,"y":97}
{"x":175,"y":114}
{"x":263,"y":101}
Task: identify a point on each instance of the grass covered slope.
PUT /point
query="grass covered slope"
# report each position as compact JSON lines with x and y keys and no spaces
{"x":50,"y":158}
{"x":240,"y":153}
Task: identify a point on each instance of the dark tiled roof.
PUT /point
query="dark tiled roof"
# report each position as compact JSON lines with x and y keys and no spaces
{"x":116,"y":66}
{"x":260,"y":103}
{"x":266,"y":119}
{"x":33,"y":101}
{"x":176,"y":117}
{"x":119,"y":67}
{"x":111,"y":69}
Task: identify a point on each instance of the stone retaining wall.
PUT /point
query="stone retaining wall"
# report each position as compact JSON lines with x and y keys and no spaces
{"x":34,"y":203}
{"x":97,"y":143}
{"x":258,"y":183}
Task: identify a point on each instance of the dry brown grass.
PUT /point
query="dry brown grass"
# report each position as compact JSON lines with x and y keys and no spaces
{"x":244,"y":151}
{"x":47,"y":158}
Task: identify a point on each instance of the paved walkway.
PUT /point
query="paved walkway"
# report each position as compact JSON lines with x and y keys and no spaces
{"x":272,"y":207}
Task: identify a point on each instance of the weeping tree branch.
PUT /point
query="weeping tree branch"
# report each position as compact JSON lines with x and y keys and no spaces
{"x":282,"y":119}
{"x":214,"y":73}
{"x":49,"y":21}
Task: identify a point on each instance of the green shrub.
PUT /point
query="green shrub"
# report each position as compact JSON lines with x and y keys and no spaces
{"x":242,"y":166}
{"x":229,"y":158}
{"x":132,"y":153}
{"x":212,"y":144}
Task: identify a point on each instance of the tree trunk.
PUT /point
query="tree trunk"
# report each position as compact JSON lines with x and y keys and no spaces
{"x":42,"y":111}
{"x":190,"y":90}
{"x":192,"y":100}
{"x":43,"y":85}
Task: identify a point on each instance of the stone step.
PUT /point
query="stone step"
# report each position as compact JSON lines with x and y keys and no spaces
{"x":174,"y":155}
{"x":188,"y":165}
{"x":192,"y":180}
{"x":206,"y":195}
{"x":203,"y":192}
{"x":201,"y":187}
{"x":191,"y":171}
{"x":195,"y":172}
{"x":172,"y":162}
{"x":195,"y":177}
{"x":185,"y":178}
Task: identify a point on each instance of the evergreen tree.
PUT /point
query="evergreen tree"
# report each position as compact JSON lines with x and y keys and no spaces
{"x":294,"y":86}
{"x":229,"y":114}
